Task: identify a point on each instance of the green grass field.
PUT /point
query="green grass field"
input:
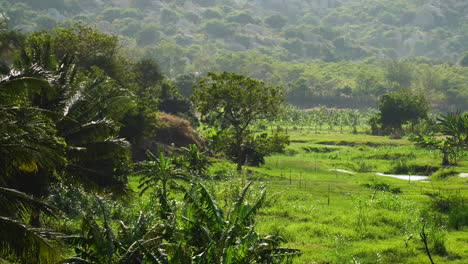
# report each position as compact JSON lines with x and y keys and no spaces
{"x":333,"y":218}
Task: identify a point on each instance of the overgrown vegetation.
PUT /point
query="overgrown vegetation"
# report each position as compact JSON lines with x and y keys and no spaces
{"x":103,"y":159}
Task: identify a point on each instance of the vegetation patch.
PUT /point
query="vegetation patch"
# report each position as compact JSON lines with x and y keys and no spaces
{"x":319,"y":150}
{"x":444,"y":173}
{"x":381,"y":186}
{"x":354,"y":144}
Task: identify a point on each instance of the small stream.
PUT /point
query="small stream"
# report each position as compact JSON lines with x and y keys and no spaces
{"x":404,"y":177}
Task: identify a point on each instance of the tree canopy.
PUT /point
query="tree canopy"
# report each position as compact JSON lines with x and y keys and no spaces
{"x":231,"y":100}
{"x":401,"y":106}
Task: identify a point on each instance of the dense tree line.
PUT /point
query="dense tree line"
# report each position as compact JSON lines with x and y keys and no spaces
{"x":308,"y":53}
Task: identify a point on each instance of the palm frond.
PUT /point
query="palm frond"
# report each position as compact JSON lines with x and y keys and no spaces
{"x":15,"y":202}
{"x":27,"y":142}
{"x":93,"y":131}
{"x":101,"y":150}
{"x":211,"y":209}
{"x":24,"y":243}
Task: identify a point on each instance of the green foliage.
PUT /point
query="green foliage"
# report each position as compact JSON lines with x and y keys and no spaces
{"x":464,"y":60}
{"x":231,"y":239}
{"x":218,"y":28}
{"x":195,"y":161}
{"x":233,"y":100}
{"x":381,"y":186}
{"x":22,"y":242}
{"x":399,"y":74}
{"x":111,"y":14}
{"x":400,"y":107}
{"x":454,"y":125}
{"x":149,"y":34}
{"x":241,"y":18}
{"x":168,"y":16}
{"x":211,"y":13}
{"x":161,"y":174}
{"x":444,"y":173}
{"x":276,"y":21}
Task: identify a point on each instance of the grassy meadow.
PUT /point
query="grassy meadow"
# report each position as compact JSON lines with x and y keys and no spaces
{"x":324,"y":198}
{"x":333,"y":218}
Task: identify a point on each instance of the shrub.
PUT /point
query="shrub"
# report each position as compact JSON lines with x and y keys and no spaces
{"x":212,"y":13}
{"x":241,"y":18}
{"x":381,"y":186}
{"x":192,"y":17}
{"x":168,"y":16}
{"x":362,"y":166}
{"x":275,"y":21}
{"x":454,"y":207}
{"x":218,"y":28}
{"x":110,"y":14}
{"x":128,"y":26}
{"x":45,"y":22}
{"x":444,"y":173}
{"x":148,"y":35}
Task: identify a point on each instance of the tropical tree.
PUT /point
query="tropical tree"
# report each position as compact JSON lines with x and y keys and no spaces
{"x":231,"y":100}
{"x":216,"y":237}
{"x":455,"y":128}
{"x":455,"y":125}
{"x":70,"y":135}
{"x":401,"y":106}
{"x":19,"y":241}
{"x":28,"y":145}
{"x":162,"y":175}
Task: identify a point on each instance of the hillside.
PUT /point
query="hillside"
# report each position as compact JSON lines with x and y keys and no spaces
{"x":281,"y":42}
{"x":292,"y":30}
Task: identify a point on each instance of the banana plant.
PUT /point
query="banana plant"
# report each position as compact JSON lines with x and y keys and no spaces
{"x":219,"y":238}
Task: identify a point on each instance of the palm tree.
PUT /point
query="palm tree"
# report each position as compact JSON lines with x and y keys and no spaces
{"x":84,"y":112}
{"x":161,"y":174}
{"x":455,"y":125}
{"x":51,"y":130}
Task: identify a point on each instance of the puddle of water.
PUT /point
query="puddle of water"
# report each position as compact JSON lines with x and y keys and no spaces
{"x":404,"y":177}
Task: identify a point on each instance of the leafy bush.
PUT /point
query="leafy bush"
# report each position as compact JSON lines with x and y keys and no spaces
{"x":148,"y":35}
{"x":168,"y":16}
{"x":195,"y":161}
{"x":256,"y":148}
{"x":362,"y":166}
{"x":128,"y":26}
{"x":110,"y":14}
{"x":276,"y":21}
{"x":241,"y":18}
{"x":45,"y":22}
{"x":218,"y":28}
{"x":454,"y":207}
{"x":381,"y":186}
{"x":444,"y":173}
{"x":192,"y":17}
{"x":212,"y":13}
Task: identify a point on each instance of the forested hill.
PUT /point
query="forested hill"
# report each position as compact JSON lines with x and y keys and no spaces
{"x":280,"y":41}
{"x":292,"y":30}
